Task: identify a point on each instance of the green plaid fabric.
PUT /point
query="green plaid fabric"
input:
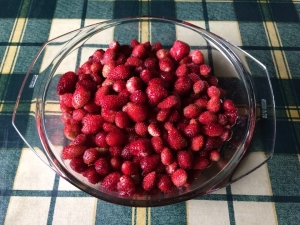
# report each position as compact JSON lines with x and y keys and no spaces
{"x":30,"y":193}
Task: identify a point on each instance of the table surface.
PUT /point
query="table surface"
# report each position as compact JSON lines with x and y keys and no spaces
{"x":30,"y":193}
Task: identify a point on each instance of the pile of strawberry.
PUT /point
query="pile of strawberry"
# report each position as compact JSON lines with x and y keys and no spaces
{"x":142,"y":118}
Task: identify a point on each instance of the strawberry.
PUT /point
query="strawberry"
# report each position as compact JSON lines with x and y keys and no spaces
{"x":110,"y":182}
{"x":91,"y":174}
{"x":137,"y":112}
{"x":108,"y":115}
{"x":154,"y":130}
{"x":185,"y":159}
{"x":122,"y":119}
{"x":146,"y":75}
{"x":107,"y":68}
{"x":116,"y":137}
{"x":192,"y":130}
{"x":134,"y":62}
{"x":162,"y":53}
{"x":133,"y":84}
{"x":72,"y":151}
{"x":201,"y":102}
{"x":156,"y":93}
{"x":168,"y":77}
{"x":115,"y":151}
{"x":81,"y":96}
{"x":232,"y":117}
{"x":229,"y":106}
{"x":116,"y":163}
{"x":200,"y":163}
{"x":171,"y":168}
{"x":112,"y":102}
{"x":182,"y":70}
{"x":91,"y":107}
{"x":214,"y":155}
{"x":126,"y":186}
{"x":119,"y":72}
{"x":80,"y":140}
{"x":134,"y":43}
{"x":193,"y":67}
{"x":78,"y":114}
{"x":72,"y":130}
{"x":102,"y":166}
{"x":66,"y":99}
{"x":88,"y":84}
{"x":108,"y":56}
{"x":213,"y":91}
{"x":199,"y":87}
{"x":151,"y":63}
{"x":108,"y":127}
{"x":119,"y":85}
{"x":222,"y":119}
{"x":149,"y":181}
{"x":114,"y":45}
{"x":175,"y":140}
{"x":139,"y":51}
{"x":226,"y":135}
{"x":183,"y":85}
{"x":129,"y":168}
{"x":90,"y":156}
{"x":212,"y":81}
{"x":208,"y":117}
{"x":197,"y":57}
{"x":212,"y":143}
{"x":174,"y":116}
{"x":156,"y":46}
{"x":157,"y":144}
{"x":213,"y":129}
{"x":91,"y":123}
{"x":96,"y":67}
{"x":166,"y":64}
{"x":138,"y":97}
{"x":179,"y":50}
{"x":197,"y":142}
{"x":98,"y":55}
{"x":205,"y":70}
{"x":141,"y":129}
{"x":149,"y":163}
{"x":140,"y":147}
{"x":66,"y":83}
{"x":179,"y":177}
{"x":191,"y":111}
{"x":194,"y":77}
{"x":162,"y":115}
{"x":166,"y":156}
{"x":214,"y":104}
{"x":169,"y":102}
{"x":77,"y":165}
{"x":164,"y":183}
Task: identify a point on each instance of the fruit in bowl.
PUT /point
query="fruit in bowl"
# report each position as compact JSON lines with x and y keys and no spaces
{"x":139,"y":117}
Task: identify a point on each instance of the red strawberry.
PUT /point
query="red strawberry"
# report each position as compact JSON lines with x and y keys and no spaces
{"x":199,"y":86}
{"x":66,"y":83}
{"x":156,"y":46}
{"x":179,"y":50}
{"x":102,"y":166}
{"x":185,"y":159}
{"x":149,"y":163}
{"x":110,"y":182}
{"x":98,"y":55}
{"x":213,"y":91}
{"x":214,"y":155}
{"x":146,"y":75}
{"x":119,"y":85}
{"x":197,"y":142}
{"x":107,"y":68}
{"x":108,"y":115}
{"x":138,"y":97}
{"x":91,"y":107}
{"x":157,"y":144}
{"x":116,"y":163}
{"x":90,"y":156}
{"x":133,"y":84}
{"x":164,"y":183}
{"x":169,"y":102}
{"x":162,"y":53}
{"x":168,"y":77}
{"x":174,"y":116}
{"x":158,"y":81}
{"x":208,"y":117}
{"x":226,"y":135}
{"x":149,"y":181}
{"x":91,"y":123}
{"x":108,"y":56}
{"x":192,"y":130}
{"x":191,"y":111}
{"x":151,"y":63}
{"x":80,"y":139}
{"x":212,"y":143}
{"x":78,"y":165}
{"x":194,"y":77}
{"x":141,"y":129}
{"x":72,"y":151}
{"x":162,"y":115}
{"x":115,"y":151}
{"x":205,"y":70}
{"x":81,"y":96}
{"x":201,"y":102}
{"x":111,"y":101}
{"x":134,"y":61}
{"x":78,"y":114}
{"x":122,"y":119}
{"x":140,"y":147}
{"x":214,"y":104}
{"x":183,"y":85}
{"x":156,"y":93}
{"x":213,"y":129}
{"x":222,"y":119}
{"x":126,"y":186}
{"x":200,"y":163}
{"x":170,"y":169}
{"x":166,"y":64}
{"x":137,"y":112}
{"x":154,"y":130}
{"x":232,"y":117}
{"x":193,"y":67}
{"x":175,"y":140}
{"x":66,"y":99}
{"x":129,"y":168}
{"x":166,"y":156}
{"x":229,"y":106}
{"x":212,"y":81}
{"x":114,"y":45}
{"x":182,"y":70}
{"x":71,"y":131}
{"x":179,"y":177}
{"x":119,"y":72}
{"x":91,"y":174}
{"x":197,"y":57}
{"x":139,"y":51}
{"x":116,"y":138}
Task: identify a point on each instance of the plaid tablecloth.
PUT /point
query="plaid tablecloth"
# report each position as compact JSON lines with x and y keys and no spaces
{"x":30,"y":193}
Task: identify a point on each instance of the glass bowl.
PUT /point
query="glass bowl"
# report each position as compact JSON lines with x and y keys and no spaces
{"x":37,"y":116}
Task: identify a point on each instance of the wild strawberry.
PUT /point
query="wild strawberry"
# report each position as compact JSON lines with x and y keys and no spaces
{"x":102,"y":166}
{"x":199,"y":86}
{"x":197,"y":57}
{"x":78,"y":114}
{"x":119,"y":85}
{"x":107,"y":68}
{"x":115,"y":163}
{"x":191,"y":111}
{"x":213,"y":129}
{"x":156,"y":46}
{"x":91,"y":174}
{"x":111,"y":101}
{"x":214,"y":155}
{"x":134,"y":62}
{"x":179,"y":177}
{"x":98,"y":55}
{"x":137,"y":112}
{"x":192,"y":130}
{"x":231,"y":117}
{"x":139,"y":51}
{"x":153,"y":129}
{"x":214,"y":104}
{"x":183,"y":85}
{"x":200,"y":163}
{"x":77,"y":165}
{"x":114,"y":45}
{"x":175,"y":140}
{"x":100,"y":140}
{"x":151,"y":63}
{"x":162,"y":53}
{"x":149,"y":181}
{"x":157,"y":81}
{"x":72,"y":130}
{"x":66,"y":83}
{"x":88,"y":84}
{"x":197,"y":142}
{"x":66,"y":99}
{"x":171,"y":168}
{"x":179,"y":50}
{"x":156,"y":94}
{"x":134,"y":43}
{"x":166,"y":64}
{"x":111,"y":181}
{"x":227,"y":133}
{"x":164,"y":183}
{"x":116,"y":138}
{"x":138,"y":97}
{"x":149,"y":163}
{"x":194,"y":77}
{"x":157,"y":144}
{"x":205,"y":70}
{"x":166,"y":156}
{"x":133,"y":84}
{"x":81,"y":96}
{"x":185,"y":159}
{"x":73,"y":151}
{"x":213,"y":91}
{"x":201,"y":103}
{"x":141,"y":129}
{"x":129,"y":168}
{"x":126,"y":186}
{"x":212,"y":143}
{"x":91,"y":107}
{"x":90,"y":156}
{"x":140,"y":147}
{"x":174,"y":116}
{"x":96,"y":67}
{"x":146,"y":75}
{"x":162,"y":115}
{"x":108,"y":115}
{"x":207,"y":117}
{"x":91,"y":123}
{"x":212,"y":81}
{"x":222,"y":119}
{"x":80,"y":140}
{"x":108,"y":56}
{"x":115,"y":151}
{"x":182,"y":70}
{"x":229,"y":106}
{"x":66,"y":117}
{"x":122,"y":120}
{"x":169,"y":102}
{"x":119,"y":72}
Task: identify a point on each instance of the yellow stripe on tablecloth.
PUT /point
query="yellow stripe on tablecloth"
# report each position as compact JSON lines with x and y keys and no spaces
{"x":141,"y":216}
